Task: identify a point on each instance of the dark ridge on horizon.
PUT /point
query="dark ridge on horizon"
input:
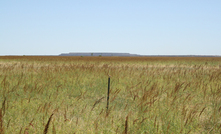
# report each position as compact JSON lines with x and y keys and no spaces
{"x":100,"y":54}
{"x":109,"y":54}
{"x":131,"y":55}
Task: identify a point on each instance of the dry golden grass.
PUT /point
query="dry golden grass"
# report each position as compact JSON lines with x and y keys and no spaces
{"x":147,"y":94}
{"x":106,"y":59}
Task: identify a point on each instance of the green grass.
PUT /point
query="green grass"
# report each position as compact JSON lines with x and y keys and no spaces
{"x":157,"y":97}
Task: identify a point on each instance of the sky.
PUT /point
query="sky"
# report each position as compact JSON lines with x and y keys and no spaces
{"x":147,"y":27}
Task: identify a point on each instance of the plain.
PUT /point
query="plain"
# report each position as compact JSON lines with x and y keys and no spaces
{"x":59,"y":94}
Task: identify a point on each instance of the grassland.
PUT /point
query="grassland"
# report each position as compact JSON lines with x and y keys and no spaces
{"x":148,"y":95}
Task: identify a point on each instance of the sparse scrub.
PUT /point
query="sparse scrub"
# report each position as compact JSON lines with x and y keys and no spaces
{"x":147,"y":95}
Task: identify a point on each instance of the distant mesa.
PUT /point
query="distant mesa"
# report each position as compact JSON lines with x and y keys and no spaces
{"x":131,"y":55}
{"x":99,"y":54}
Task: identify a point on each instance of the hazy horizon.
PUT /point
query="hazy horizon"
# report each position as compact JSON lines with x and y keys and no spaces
{"x":65,"y":54}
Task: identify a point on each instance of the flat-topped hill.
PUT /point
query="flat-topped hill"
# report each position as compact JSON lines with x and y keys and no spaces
{"x":98,"y":54}
{"x":131,"y":55}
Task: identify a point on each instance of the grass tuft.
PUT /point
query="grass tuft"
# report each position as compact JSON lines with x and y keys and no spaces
{"x":2,"y":130}
{"x":47,"y":125}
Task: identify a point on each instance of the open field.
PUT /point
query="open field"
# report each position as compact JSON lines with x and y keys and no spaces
{"x":148,"y":94}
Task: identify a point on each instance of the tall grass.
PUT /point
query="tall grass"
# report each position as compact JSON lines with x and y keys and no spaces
{"x":147,"y":95}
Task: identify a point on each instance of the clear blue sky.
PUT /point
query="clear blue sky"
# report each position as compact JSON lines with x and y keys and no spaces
{"x":149,"y":27}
